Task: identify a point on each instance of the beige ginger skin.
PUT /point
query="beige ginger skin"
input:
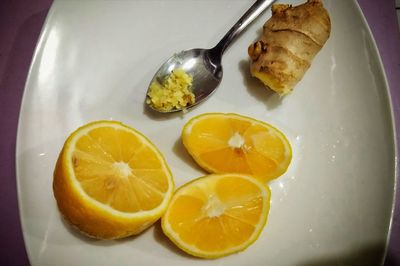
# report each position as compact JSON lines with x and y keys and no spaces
{"x":291,"y":39}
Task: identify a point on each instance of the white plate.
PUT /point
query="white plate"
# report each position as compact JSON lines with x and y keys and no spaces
{"x":94,"y":61}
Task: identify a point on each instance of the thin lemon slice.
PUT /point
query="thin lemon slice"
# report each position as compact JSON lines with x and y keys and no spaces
{"x":110,"y":181}
{"x":217,"y":215}
{"x":232,"y":143}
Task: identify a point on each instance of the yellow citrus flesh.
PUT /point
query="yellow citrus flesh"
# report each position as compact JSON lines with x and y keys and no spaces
{"x":231,"y":143}
{"x":217,"y":215}
{"x":110,"y":181}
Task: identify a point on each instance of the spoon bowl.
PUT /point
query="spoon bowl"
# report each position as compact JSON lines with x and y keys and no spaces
{"x":204,"y":65}
{"x":205,"y":70}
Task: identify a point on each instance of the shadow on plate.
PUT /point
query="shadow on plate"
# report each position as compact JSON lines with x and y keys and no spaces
{"x":371,"y":255}
{"x":264,"y":95}
{"x":162,"y":239}
{"x":182,"y":153}
{"x":97,"y":242}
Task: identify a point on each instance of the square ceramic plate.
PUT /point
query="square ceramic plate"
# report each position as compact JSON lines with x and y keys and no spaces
{"x":94,"y":61}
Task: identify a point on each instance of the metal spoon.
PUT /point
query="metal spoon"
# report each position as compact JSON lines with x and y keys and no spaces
{"x":204,"y":65}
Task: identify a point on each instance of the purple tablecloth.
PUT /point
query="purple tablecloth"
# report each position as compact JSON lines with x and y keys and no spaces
{"x":20,"y":25}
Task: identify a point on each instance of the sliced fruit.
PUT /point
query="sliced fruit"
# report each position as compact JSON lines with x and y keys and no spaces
{"x":231,"y":143}
{"x":217,"y":215}
{"x":110,"y":181}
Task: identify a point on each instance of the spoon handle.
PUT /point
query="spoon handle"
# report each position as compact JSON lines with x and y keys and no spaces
{"x":253,"y":12}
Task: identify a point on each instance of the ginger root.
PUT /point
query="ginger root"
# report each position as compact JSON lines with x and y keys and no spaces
{"x":291,"y":39}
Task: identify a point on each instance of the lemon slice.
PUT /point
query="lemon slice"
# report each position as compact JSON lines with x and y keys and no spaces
{"x":232,"y":143}
{"x":110,"y":181}
{"x":217,"y":215}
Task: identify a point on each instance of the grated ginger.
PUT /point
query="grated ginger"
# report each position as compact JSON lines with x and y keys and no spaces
{"x":174,"y":93}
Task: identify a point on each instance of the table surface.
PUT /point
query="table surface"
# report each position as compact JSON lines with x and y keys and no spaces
{"x":20,"y":25}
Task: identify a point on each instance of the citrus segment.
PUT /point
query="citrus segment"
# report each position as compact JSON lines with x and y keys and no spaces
{"x":217,"y":215}
{"x":110,"y":181}
{"x":226,"y":143}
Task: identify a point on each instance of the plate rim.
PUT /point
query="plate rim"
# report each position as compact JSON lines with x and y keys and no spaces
{"x":389,"y":94}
